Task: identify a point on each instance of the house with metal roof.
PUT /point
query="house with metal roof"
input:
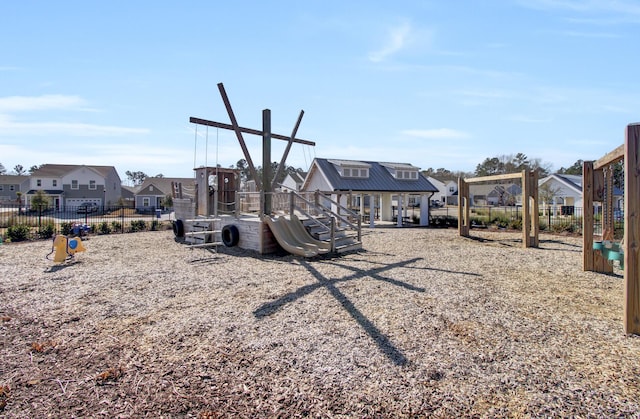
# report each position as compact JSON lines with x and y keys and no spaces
{"x":383,"y":186}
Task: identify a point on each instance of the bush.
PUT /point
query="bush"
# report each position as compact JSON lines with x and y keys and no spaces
{"x":116,"y":226}
{"x":138,"y":225}
{"x":154,"y":225}
{"x":104,"y":228}
{"x":46,"y":231}
{"x":66,"y":228}
{"x":18,"y":232}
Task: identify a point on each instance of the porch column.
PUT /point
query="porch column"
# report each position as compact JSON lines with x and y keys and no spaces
{"x":386,"y":212}
{"x":399,"y":219}
{"x":424,"y":210}
{"x":372,"y":209}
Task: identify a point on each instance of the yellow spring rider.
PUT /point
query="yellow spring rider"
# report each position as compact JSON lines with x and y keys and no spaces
{"x":64,"y":248}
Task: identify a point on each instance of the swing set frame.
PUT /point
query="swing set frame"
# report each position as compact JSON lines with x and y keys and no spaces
{"x":597,"y":186}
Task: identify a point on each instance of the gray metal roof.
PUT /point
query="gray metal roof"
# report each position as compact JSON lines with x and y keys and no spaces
{"x":379,"y":180}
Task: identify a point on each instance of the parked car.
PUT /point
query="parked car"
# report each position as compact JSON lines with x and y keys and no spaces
{"x":87,"y":208}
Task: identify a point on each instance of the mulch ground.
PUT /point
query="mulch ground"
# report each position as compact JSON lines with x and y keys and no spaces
{"x":420,"y":323}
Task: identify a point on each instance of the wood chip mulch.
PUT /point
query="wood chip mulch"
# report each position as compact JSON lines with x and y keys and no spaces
{"x":421,"y":323}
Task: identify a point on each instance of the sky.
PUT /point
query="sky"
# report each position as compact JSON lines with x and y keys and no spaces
{"x":438,"y":84}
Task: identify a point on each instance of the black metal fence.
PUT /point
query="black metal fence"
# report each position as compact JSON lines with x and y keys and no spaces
{"x":559,"y":219}
{"x":23,"y":224}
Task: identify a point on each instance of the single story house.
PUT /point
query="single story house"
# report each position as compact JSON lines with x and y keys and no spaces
{"x":383,"y":185}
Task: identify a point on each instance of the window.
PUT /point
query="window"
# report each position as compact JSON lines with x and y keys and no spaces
{"x":39,"y":182}
{"x":1,"y":187}
{"x":92,"y":184}
{"x":353,"y":172}
{"x":74,"y":184}
{"x":54,"y":182}
{"x":407,"y":174}
{"x":12,"y":188}
{"x":146,"y":202}
{"x":451,"y":189}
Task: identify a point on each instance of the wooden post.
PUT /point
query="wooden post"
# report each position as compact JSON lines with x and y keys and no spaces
{"x":463,"y":208}
{"x":535,"y":210}
{"x":632,"y":230}
{"x":266,"y":160}
{"x":526,"y":210}
{"x":587,"y":217}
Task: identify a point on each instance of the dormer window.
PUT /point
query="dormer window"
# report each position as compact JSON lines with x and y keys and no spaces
{"x":407,"y":174}
{"x":355,"y":172}
{"x":351,"y":168}
{"x":404,"y":171}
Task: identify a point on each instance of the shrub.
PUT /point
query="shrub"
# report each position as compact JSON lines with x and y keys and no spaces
{"x":46,"y":231}
{"x":138,"y":225}
{"x":104,"y":228}
{"x":66,"y":228}
{"x":116,"y":226}
{"x":18,"y":232}
{"x":154,"y":225}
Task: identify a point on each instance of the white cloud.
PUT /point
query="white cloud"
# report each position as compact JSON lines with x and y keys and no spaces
{"x":436,"y":134}
{"x":10,"y":127}
{"x":37,"y":103}
{"x":396,"y":41}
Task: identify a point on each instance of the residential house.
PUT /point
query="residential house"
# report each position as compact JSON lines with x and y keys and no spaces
{"x":562,"y":193}
{"x":293,"y":181}
{"x":150,"y":195}
{"x":447,"y":191}
{"x":68,"y":186}
{"x":10,"y":186}
{"x":380,"y":183}
{"x":491,"y":194}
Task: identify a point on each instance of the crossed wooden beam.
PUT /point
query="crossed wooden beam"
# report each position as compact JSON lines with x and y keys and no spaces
{"x":266,"y":134}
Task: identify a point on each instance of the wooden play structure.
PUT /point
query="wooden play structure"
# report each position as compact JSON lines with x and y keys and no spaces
{"x":275,"y":223}
{"x":530,"y":206}
{"x":600,"y":255}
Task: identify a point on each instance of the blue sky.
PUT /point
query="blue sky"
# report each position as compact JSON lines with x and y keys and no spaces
{"x":432,"y":83}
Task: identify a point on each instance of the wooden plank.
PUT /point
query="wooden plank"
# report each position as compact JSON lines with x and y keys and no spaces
{"x":609,"y":158}
{"x":587,"y":216}
{"x":494,"y":177}
{"x":632,"y":230}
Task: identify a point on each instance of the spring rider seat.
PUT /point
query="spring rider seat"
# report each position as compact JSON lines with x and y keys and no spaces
{"x":64,"y":248}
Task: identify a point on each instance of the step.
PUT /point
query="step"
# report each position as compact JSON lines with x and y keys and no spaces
{"x":205,"y":244}
{"x":194,"y":233}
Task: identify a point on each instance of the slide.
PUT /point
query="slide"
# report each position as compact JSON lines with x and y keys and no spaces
{"x":304,"y":236}
{"x":288,"y":240}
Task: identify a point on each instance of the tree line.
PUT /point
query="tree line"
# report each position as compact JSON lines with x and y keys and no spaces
{"x":503,"y":164}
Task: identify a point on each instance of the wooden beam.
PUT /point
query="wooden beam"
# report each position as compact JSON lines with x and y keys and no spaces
{"x":587,"y":216}
{"x":236,"y":128}
{"x":285,"y":154}
{"x":609,"y":158}
{"x":266,"y":161}
{"x":494,"y":177}
{"x":222,"y":125}
{"x":632,"y":230}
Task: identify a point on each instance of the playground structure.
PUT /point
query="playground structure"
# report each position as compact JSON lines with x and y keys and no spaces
{"x":599,"y":255}
{"x":530,"y":205}
{"x":302,"y":222}
{"x":64,"y":248}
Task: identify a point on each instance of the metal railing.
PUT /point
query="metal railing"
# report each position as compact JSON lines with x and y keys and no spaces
{"x":44,"y":222}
